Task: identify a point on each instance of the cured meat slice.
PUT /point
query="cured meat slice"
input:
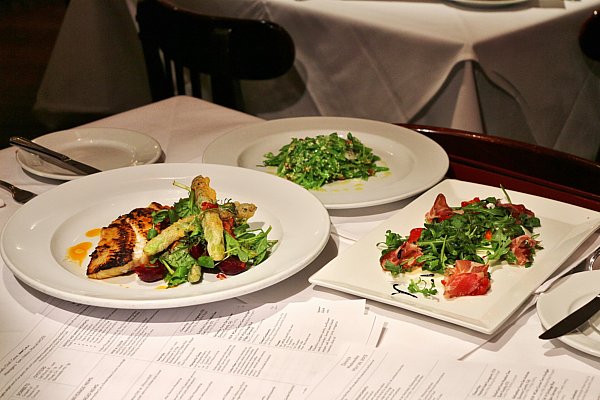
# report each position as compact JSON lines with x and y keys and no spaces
{"x":523,"y":248}
{"x":440,"y":210}
{"x":516,"y":210}
{"x":466,"y":278}
{"x":404,"y":256}
{"x":121,"y":244}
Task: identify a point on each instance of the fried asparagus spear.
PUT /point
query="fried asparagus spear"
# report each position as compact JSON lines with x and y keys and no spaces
{"x":169,"y":235}
{"x":211,"y":222}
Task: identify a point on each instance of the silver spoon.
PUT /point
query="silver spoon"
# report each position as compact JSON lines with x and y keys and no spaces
{"x":20,"y":195}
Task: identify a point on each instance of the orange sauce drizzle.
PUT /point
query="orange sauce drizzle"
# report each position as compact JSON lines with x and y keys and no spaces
{"x":93,"y":232}
{"x":78,"y":252}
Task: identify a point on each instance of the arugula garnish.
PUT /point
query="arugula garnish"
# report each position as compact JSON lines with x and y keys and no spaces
{"x":479,"y":230}
{"x":248,"y":245}
{"x":315,"y":161}
{"x":421,"y":286}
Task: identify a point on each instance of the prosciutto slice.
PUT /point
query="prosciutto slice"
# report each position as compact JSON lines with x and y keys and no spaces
{"x":516,"y":210}
{"x":440,"y":210}
{"x":466,"y":278}
{"x":404,"y":256}
{"x":523,"y":248}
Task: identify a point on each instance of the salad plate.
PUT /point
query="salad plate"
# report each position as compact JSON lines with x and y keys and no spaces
{"x":36,"y":240}
{"x":564,"y":297}
{"x":563,"y":228}
{"x":415,"y":162}
{"x":103,"y":148}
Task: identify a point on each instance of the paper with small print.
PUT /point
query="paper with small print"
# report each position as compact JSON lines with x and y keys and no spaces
{"x":223,"y":350}
{"x":310,"y":350}
{"x":364,"y":373}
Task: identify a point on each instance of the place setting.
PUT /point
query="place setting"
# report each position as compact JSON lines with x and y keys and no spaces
{"x":404,"y":188}
{"x":569,"y":310}
{"x":408,"y":176}
{"x":70,"y":154}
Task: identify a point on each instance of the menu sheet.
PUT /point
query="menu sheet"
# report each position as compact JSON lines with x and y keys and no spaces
{"x":227,"y":350}
{"x":223,"y":350}
{"x":364,"y":373}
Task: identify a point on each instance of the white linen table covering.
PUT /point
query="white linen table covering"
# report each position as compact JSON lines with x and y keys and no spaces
{"x":513,"y":71}
{"x":184,"y":126}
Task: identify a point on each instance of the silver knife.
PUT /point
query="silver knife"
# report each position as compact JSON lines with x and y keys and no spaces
{"x":52,"y":156}
{"x":573,"y":320}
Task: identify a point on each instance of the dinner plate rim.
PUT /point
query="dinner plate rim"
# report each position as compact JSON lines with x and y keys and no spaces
{"x":311,"y":246}
{"x":587,"y":284}
{"x":426,"y":171}
{"x":488,"y":3}
{"x":372,"y":288}
{"x":127,"y":136}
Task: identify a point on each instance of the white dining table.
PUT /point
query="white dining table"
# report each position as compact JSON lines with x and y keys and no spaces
{"x":184,"y":126}
{"x":514,"y":71}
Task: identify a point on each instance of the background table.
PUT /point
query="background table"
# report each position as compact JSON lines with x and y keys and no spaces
{"x":184,"y":126}
{"x":508,"y":71}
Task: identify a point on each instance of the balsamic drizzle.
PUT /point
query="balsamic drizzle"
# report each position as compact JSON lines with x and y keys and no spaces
{"x":400,"y":291}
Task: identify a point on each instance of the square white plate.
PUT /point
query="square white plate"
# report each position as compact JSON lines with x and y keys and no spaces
{"x":564,"y":228}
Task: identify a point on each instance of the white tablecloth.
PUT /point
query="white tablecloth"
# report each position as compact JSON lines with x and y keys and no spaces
{"x":510,"y":71}
{"x":184,"y":126}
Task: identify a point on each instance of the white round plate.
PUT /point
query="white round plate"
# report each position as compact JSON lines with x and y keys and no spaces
{"x":103,"y":148}
{"x":415,"y":162}
{"x":36,"y":239}
{"x":567,"y":295}
{"x":488,"y":3}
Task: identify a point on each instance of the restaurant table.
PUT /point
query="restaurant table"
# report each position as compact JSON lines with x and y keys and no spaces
{"x":515,"y":71}
{"x":184,"y":126}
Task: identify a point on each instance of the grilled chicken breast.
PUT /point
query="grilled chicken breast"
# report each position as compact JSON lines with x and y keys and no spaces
{"x":121,"y":244}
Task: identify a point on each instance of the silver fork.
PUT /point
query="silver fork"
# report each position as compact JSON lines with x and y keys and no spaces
{"x":591,"y":260}
{"x":20,"y":195}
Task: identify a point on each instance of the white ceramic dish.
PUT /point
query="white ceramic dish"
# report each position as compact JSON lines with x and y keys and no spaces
{"x":35,"y":241}
{"x":103,"y":148}
{"x":564,"y":228}
{"x":488,"y":3}
{"x":416,"y":162}
{"x":567,"y":295}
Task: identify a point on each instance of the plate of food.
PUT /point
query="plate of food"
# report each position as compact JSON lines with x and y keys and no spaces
{"x":566,"y":296}
{"x":462,"y":252}
{"x":164,"y":235}
{"x":345,"y":162}
{"x":102,"y":148}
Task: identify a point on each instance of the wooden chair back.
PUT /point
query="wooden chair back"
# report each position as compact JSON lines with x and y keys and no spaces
{"x":227,"y":49}
{"x":519,"y":166}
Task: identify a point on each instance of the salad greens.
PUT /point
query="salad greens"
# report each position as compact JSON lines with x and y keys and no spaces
{"x":480,"y":230}
{"x":314,"y":161}
{"x":421,"y":286}
{"x":185,"y":259}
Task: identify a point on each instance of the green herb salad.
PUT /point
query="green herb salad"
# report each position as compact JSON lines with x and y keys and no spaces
{"x":460,"y":243}
{"x":315,"y":161}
